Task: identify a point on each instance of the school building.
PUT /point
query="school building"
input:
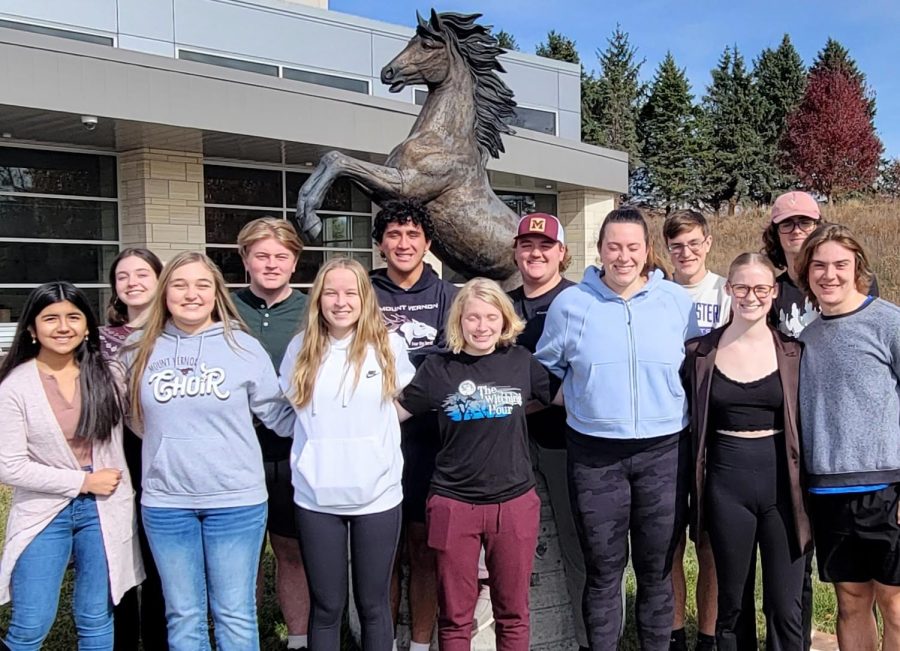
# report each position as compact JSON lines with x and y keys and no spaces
{"x":170,"y":123}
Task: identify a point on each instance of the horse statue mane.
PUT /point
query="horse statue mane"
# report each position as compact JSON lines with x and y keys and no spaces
{"x":442,"y":163}
{"x":479,"y":48}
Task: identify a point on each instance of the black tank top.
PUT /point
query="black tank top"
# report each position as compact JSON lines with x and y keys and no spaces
{"x":746,"y":406}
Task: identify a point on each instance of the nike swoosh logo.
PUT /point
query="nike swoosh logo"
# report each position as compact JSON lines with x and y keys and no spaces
{"x":371,"y":374}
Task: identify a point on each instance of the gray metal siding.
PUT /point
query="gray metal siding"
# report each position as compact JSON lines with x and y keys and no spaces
{"x":296,"y":36}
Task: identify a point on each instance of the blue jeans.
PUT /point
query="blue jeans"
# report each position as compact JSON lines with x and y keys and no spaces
{"x":208,"y":558}
{"x":38,"y":574}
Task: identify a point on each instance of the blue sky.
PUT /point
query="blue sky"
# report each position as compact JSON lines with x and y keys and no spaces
{"x":696,"y":32}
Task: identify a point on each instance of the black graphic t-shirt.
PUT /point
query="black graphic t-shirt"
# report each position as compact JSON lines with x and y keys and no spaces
{"x":480,"y":401}
{"x":792,"y":310}
{"x":548,"y":426}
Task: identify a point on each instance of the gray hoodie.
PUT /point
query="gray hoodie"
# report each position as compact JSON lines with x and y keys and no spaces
{"x":199,"y":395}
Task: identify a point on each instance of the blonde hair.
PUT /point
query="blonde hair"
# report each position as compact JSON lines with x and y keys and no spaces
{"x":488,"y":291}
{"x":158,"y":315}
{"x":369,"y":331}
{"x":269,"y":227}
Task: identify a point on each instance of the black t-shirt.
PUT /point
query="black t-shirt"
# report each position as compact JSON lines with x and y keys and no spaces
{"x":548,"y":426}
{"x":480,"y":401}
{"x":792,"y":310}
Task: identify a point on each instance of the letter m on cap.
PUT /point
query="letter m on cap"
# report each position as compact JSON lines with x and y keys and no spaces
{"x":537,"y":224}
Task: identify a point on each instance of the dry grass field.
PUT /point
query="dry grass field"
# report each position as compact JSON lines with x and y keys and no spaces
{"x":877,"y":225}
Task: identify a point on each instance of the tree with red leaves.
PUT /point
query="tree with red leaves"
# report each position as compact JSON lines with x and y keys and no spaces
{"x":830,"y":144}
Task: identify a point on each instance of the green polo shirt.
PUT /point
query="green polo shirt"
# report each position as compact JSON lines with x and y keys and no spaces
{"x":274,"y":326}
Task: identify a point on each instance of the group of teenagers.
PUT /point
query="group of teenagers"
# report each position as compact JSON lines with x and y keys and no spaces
{"x":390,"y":414}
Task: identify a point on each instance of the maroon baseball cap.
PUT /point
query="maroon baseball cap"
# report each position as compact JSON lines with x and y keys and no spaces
{"x":540,"y":223}
{"x":795,"y":204}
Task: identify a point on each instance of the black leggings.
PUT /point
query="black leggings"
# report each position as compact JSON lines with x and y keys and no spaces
{"x":748,"y":503}
{"x":617,"y":487}
{"x":373,"y":543}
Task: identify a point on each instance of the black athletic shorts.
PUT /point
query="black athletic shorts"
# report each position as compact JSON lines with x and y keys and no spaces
{"x":857,"y":536}
{"x":281,"y":498}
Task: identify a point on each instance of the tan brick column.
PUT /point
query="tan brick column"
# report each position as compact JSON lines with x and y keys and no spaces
{"x":161,"y":199}
{"x":581,"y":213}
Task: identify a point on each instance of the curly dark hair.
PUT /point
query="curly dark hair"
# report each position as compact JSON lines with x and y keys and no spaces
{"x":772,"y":247}
{"x":402,"y":212}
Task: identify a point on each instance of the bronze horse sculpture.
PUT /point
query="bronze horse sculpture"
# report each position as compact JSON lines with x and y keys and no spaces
{"x":442,"y":162}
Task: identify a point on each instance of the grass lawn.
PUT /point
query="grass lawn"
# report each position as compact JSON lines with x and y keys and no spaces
{"x":273,"y":631}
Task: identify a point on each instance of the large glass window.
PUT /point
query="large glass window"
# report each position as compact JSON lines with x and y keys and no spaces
{"x":322,"y":79}
{"x":235,"y":195}
{"x":534,"y":120}
{"x":59,"y":220}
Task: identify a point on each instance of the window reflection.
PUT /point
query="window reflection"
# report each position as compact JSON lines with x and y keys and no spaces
{"x":40,"y":171}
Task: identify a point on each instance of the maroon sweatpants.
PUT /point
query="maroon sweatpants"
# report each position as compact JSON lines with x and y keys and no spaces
{"x":508,"y":531}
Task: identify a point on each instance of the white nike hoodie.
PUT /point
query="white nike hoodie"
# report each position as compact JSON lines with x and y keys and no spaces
{"x":346,"y":457}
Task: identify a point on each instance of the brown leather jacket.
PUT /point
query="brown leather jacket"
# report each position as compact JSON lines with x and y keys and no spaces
{"x":700,"y":359}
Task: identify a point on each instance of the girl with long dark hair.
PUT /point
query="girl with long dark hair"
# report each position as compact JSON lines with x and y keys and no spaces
{"x":133,"y":276}
{"x":617,"y":342}
{"x":61,"y":451}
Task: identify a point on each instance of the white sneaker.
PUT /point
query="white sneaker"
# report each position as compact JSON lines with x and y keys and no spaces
{"x":484,"y":610}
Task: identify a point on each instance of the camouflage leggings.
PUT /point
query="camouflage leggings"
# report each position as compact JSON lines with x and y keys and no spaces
{"x":620,"y":487}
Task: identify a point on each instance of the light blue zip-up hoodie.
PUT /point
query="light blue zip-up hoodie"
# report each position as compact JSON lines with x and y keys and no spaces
{"x":620,"y":359}
{"x":199,"y":394}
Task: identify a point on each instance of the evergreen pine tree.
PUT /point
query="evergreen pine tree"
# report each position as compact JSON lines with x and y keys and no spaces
{"x":507,"y":41}
{"x":735,"y":159}
{"x":667,"y":128}
{"x":618,"y":95}
{"x":558,"y":47}
{"x":835,"y":56}
{"x":779,"y":78}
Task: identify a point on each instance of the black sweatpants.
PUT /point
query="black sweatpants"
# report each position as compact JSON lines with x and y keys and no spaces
{"x":373,"y":544}
{"x":617,"y":487}
{"x":748,"y":503}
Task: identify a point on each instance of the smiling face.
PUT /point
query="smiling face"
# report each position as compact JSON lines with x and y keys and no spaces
{"x":538,"y":259}
{"x":481,"y":324}
{"x":404,"y":247}
{"x":832,"y":278}
{"x":688,"y":251}
{"x":60,"y":328}
{"x":191,"y":297}
{"x":270,"y":265}
{"x":135,"y":282}
{"x":340,"y":303}
{"x":752,"y":290}
{"x":623,"y":253}
{"x":792,"y":240}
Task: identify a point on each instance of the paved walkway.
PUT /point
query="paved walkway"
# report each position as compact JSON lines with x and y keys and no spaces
{"x":824,"y":642}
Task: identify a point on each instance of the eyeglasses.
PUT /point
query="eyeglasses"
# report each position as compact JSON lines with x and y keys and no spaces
{"x":805,"y":224}
{"x":693,"y":245}
{"x":760,"y":291}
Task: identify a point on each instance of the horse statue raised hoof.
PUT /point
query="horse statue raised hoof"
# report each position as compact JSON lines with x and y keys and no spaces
{"x":442,"y":162}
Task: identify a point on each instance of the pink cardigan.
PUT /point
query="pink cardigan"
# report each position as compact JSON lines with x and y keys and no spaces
{"x":38,"y":463}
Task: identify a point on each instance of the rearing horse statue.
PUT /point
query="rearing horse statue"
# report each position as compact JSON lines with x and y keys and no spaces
{"x":442,"y":161}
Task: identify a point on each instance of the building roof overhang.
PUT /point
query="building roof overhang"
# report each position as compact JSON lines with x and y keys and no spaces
{"x":148,"y":100}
